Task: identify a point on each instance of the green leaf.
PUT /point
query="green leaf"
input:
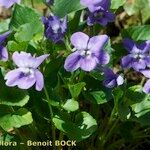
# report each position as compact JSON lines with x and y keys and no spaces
{"x":137,"y":33}
{"x":139,"y":7}
{"x":97,"y":75}
{"x":142,"y":111}
{"x":17,"y":119}
{"x":119,"y":52}
{"x":85,"y":125}
{"x":141,"y":108}
{"x":135,"y":94}
{"x":119,"y":104}
{"x":115,"y":4}
{"x":12,"y":96}
{"x":27,"y":2}
{"x":71,"y":105}
{"x":51,"y":71}
{"x":27,"y":31}
{"x":124,"y":111}
{"x":27,"y":23}
{"x":6,"y":137}
{"x":126,"y":130}
{"x":64,"y":7}
{"x":117,"y":94}
{"x":75,"y":21}
{"x":131,"y":7}
{"x":17,"y":46}
{"x":76,"y":89}
{"x":99,"y":96}
{"x":22,"y":15}
{"x":4,"y":25}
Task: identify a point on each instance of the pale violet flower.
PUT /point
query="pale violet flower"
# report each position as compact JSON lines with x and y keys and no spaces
{"x":26,"y":74}
{"x":8,"y":3}
{"x":88,"y":52}
{"x":94,"y":5}
{"x":146,"y":87}
{"x":98,"y":12}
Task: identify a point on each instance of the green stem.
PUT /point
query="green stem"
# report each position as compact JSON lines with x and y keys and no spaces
{"x":107,"y":133}
{"x":51,"y":115}
{"x":143,"y":81}
{"x":32,"y":3}
{"x":115,"y":144}
{"x":81,"y":76}
{"x":61,"y":135}
{"x":140,"y":17}
{"x":68,"y":47}
{"x":112,"y":115}
{"x":111,"y":131}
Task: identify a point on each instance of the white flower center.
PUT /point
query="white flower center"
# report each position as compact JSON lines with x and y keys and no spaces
{"x":86,"y":53}
{"x":138,"y":56}
{"x":55,"y":28}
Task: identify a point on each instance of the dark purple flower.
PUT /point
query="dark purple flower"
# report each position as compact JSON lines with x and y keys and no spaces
{"x":112,"y":79}
{"x":4,"y":36}
{"x":138,"y":57}
{"x":27,"y":73}
{"x":94,"y":5}
{"x":88,"y":52}
{"x":101,"y":17}
{"x":3,"y":53}
{"x":3,"y":50}
{"x":55,"y":28}
{"x":8,"y":3}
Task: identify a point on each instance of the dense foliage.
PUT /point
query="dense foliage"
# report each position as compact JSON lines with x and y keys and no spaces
{"x":75,"y":70}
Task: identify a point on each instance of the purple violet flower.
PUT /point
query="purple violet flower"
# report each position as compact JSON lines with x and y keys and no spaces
{"x":88,"y":52}
{"x":27,"y":73}
{"x":98,"y":12}
{"x":4,"y":36}
{"x":49,"y":2}
{"x":112,"y":79}
{"x":146,"y":88}
{"x":3,"y":53}
{"x":8,"y":3}
{"x":3,"y":50}
{"x":138,"y":57}
{"x":55,"y":28}
{"x":100,"y":16}
{"x":94,"y":5}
